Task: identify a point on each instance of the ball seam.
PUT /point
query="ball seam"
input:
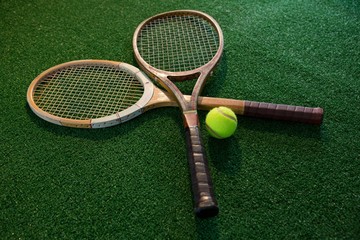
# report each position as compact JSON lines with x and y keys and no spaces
{"x":226,"y":115}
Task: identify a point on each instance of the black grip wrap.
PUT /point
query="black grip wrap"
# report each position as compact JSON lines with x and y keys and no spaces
{"x":284,"y":112}
{"x":204,"y":200}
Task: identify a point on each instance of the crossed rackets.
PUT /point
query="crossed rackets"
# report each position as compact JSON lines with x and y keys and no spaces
{"x":169,"y":47}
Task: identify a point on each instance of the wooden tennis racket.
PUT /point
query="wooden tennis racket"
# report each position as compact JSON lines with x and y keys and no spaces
{"x":178,"y":46}
{"x":100,"y":93}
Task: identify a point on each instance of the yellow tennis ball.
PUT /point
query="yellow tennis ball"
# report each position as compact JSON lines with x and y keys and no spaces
{"x":221,"y":122}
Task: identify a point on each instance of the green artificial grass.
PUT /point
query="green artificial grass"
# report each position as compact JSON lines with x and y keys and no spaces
{"x":272,"y":179}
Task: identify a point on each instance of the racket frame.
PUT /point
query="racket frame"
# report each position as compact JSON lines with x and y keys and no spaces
{"x":205,"y":204}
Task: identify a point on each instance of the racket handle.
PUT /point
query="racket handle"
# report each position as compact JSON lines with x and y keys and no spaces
{"x":266,"y":110}
{"x":284,"y":112}
{"x":204,"y":199}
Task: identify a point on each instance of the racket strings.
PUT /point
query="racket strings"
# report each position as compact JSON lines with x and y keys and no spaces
{"x":87,"y":92}
{"x":178,"y":43}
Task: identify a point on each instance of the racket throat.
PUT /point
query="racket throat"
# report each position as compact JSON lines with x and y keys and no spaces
{"x":190,"y":118}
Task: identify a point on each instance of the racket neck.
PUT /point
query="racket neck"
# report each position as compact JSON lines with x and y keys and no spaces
{"x":190,"y":118}
{"x":199,"y":85}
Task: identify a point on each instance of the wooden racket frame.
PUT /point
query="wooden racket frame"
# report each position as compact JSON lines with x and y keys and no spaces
{"x":205,"y":204}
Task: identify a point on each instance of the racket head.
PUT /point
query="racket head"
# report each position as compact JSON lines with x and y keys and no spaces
{"x":180,"y":45}
{"x":89,"y":93}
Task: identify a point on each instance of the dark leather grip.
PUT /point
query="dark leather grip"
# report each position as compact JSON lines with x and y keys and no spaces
{"x":284,"y":112}
{"x":204,"y":201}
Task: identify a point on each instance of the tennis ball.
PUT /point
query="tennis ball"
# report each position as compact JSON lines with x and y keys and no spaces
{"x":221,"y":122}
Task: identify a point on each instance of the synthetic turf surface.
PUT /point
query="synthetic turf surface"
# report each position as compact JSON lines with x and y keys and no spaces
{"x":272,"y":179}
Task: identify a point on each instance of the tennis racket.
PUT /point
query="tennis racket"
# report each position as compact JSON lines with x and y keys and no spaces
{"x":100,"y":93}
{"x":178,"y":46}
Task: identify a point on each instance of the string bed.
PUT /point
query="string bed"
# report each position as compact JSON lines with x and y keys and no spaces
{"x":178,"y":43}
{"x":87,"y":92}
